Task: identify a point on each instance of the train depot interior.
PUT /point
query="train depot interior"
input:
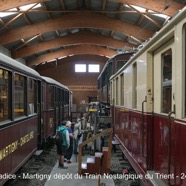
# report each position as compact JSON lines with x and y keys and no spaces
{"x":116,"y":67}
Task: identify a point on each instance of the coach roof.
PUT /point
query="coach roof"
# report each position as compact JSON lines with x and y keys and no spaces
{"x":9,"y":62}
{"x":52,"y":81}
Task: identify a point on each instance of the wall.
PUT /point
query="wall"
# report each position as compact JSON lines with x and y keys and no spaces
{"x":83,"y":85}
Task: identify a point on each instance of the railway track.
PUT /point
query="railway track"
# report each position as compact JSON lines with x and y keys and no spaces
{"x":36,"y":169}
{"x":120,"y":165}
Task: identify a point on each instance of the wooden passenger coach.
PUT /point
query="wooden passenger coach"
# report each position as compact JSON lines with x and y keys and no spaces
{"x":55,"y":106}
{"x":148,"y":106}
{"x":31,"y":107}
{"x":18,"y":115}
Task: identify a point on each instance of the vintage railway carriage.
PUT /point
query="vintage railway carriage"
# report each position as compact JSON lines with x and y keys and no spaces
{"x":149,"y":106}
{"x":110,"y":68}
{"x":18,"y":114}
{"x":31,"y":107}
{"x":55,"y":106}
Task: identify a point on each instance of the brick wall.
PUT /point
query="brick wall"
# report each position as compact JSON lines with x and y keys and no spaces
{"x":83,"y":85}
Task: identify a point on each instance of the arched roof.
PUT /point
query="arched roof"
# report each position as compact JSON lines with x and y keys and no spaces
{"x":53,"y":29}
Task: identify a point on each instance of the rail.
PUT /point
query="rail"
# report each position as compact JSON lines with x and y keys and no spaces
{"x":81,"y":145}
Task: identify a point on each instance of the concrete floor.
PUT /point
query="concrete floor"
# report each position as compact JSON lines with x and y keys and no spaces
{"x":70,"y":177}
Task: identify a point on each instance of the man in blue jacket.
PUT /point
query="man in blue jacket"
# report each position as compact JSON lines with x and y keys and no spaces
{"x":63,"y":145}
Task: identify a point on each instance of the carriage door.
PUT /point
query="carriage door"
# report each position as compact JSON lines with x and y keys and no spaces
{"x":41,"y":101}
{"x":164,"y":88}
{"x":57,"y":108}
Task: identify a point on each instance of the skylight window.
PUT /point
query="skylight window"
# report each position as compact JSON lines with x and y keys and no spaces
{"x":162,"y":15}
{"x":51,"y":60}
{"x":62,"y":57}
{"x":26,"y":7}
{"x":144,"y":10}
{"x":139,"y":8}
{"x":22,"y":8}
{"x":7,"y":13}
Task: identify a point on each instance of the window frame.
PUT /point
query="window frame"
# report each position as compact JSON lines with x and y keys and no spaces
{"x":7,"y":96}
{"x":19,"y":110}
{"x":164,"y":83}
{"x":35,"y":92}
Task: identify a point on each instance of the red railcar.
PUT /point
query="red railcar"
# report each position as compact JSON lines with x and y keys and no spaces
{"x":18,"y":115}
{"x":149,"y":106}
{"x":55,"y":106}
{"x":26,"y":116}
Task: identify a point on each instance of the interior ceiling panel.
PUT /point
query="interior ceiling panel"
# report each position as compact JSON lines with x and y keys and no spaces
{"x":46,"y":30}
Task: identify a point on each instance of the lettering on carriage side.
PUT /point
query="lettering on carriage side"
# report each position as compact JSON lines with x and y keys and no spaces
{"x":31,"y":134}
{"x":8,"y":150}
{"x":15,"y":145}
{"x":26,"y":138}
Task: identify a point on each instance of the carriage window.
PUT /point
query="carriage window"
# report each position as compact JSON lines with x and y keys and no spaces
{"x":113,"y":92}
{"x":122,"y":88}
{"x":66,"y":97}
{"x":57,"y":99}
{"x":4,"y":95}
{"x":111,"y":95}
{"x":166,"y":81}
{"x":19,"y":95}
{"x":42,"y":97}
{"x":117,"y":92}
{"x":51,"y":97}
{"x":31,"y":96}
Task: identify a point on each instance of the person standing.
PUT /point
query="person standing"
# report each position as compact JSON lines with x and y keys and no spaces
{"x":71,"y":136}
{"x":77,"y":130}
{"x":62,"y":144}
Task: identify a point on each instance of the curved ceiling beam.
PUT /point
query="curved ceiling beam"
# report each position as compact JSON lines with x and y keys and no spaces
{"x":79,"y":20}
{"x":82,"y":37}
{"x":75,"y":50}
{"x":157,"y":5}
